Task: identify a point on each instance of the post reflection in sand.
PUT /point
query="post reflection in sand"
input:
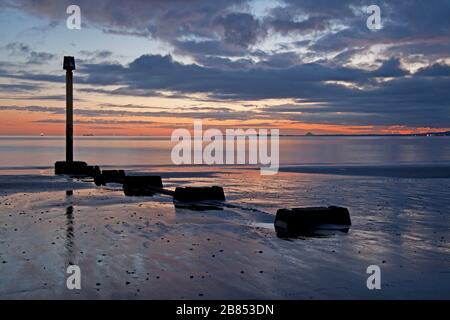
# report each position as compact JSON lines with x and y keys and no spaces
{"x":70,"y":234}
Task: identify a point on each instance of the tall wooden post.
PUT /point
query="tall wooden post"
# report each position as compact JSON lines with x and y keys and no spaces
{"x":69,"y":66}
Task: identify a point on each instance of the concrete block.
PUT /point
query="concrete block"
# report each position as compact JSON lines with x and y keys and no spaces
{"x":192,"y":194}
{"x":306,"y":220}
{"x":76,"y":168}
{"x":142,"y":185}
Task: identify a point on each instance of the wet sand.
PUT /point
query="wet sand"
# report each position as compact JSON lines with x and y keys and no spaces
{"x":145,"y":248}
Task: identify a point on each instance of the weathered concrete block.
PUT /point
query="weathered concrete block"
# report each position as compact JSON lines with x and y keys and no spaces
{"x":142,"y":185}
{"x":305,"y":220}
{"x":192,"y":194}
{"x":77,"y":168}
{"x":108,"y":176}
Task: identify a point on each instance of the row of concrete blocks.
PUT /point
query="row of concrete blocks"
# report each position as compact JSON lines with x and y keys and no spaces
{"x":288,"y":222}
{"x":147,"y":185}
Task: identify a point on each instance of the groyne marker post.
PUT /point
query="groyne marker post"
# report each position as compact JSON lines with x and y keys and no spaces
{"x":69,"y":66}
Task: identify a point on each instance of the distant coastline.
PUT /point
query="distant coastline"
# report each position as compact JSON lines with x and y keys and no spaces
{"x":425,"y":134}
{"x":309,"y":134}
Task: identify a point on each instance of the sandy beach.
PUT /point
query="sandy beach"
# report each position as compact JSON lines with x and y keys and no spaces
{"x":145,"y":248}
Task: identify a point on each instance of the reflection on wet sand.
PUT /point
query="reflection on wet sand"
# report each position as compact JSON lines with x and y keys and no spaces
{"x":315,"y":233}
{"x":199,"y":206}
{"x":70,"y":234}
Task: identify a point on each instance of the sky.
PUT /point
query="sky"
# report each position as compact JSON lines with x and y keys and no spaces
{"x":148,"y":67}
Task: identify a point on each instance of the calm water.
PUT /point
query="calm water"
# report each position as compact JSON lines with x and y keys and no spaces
{"x":143,"y":151}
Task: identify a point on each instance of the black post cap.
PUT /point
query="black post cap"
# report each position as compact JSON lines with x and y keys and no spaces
{"x":69,"y":63}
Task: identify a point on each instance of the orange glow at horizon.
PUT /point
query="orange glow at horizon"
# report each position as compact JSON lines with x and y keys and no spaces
{"x":27,"y":123}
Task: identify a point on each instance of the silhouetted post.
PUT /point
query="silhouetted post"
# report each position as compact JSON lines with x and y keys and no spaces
{"x":69,"y":66}
{"x":70,"y":167}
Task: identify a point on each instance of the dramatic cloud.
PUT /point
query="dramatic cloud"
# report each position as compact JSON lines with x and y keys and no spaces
{"x":195,"y":26}
{"x":156,"y":72}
